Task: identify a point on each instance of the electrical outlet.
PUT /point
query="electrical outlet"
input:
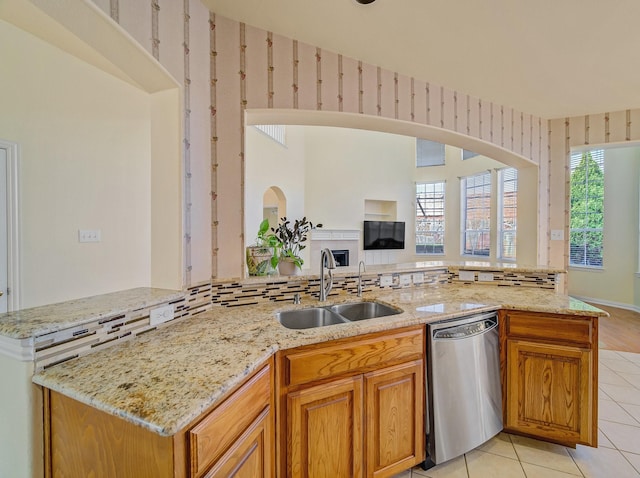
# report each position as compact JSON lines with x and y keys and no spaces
{"x":485,"y":276}
{"x":386,"y":281}
{"x":160,"y":315}
{"x":89,"y":235}
{"x":467,"y":276}
{"x":405,"y":279}
{"x":418,"y":277}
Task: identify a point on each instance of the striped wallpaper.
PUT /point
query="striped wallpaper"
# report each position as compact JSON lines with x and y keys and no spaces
{"x":247,"y":67}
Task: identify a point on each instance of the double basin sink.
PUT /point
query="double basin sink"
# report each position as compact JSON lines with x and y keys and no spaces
{"x":334,"y":314}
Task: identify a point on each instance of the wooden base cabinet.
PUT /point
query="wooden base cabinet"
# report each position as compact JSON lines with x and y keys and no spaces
{"x":362,"y":415}
{"x":324,"y":432}
{"x":235,"y":439}
{"x":550,"y":376}
{"x":394,"y":405}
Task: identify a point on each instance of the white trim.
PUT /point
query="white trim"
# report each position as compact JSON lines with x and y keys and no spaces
{"x":610,"y":303}
{"x":18,"y":349}
{"x":13,"y":225}
{"x":586,"y":268}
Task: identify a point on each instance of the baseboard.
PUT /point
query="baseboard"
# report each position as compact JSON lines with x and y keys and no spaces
{"x":619,"y":305}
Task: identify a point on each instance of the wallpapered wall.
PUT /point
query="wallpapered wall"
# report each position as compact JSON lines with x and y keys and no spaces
{"x":253,"y":68}
{"x":610,"y":128}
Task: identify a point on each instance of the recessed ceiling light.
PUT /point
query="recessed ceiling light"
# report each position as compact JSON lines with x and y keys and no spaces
{"x":365,"y":2}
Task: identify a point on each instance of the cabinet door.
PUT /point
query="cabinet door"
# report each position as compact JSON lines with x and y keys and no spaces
{"x":250,"y":455}
{"x":394,"y":414}
{"x":324,"y":430}
{"x":549,"y":393}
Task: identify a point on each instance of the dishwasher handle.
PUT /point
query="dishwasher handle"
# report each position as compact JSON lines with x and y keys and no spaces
{"x":466,"y":330}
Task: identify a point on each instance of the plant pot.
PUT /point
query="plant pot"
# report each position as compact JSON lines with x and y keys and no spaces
{"x":286,"y":267}
{"x":259,"y":260}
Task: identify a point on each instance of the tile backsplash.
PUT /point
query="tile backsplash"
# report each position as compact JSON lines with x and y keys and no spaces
{"x":62,"y":345}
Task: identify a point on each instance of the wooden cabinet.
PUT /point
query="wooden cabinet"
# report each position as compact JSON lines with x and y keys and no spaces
{"x":394,"y":416}
{"x":324,"y":432}
{"x":549,"y":366}
{"x":234,"y":439}
{"x":353,"y":407}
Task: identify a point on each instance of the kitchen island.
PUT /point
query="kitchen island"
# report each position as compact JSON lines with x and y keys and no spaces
{"x":167,"y":379}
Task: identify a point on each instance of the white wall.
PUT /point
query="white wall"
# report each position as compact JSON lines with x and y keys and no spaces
{"x":84,"y":164}
{"x":268,"y":164}
{"x":616,"y":282}
{"x":21,"y":445}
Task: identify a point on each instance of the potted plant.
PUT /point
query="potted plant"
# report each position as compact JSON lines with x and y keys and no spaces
{"x":291,"y":238}
{"x":261,"y":256}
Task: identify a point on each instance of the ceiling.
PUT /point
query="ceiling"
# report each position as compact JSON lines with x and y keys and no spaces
{"x":550,"y":58}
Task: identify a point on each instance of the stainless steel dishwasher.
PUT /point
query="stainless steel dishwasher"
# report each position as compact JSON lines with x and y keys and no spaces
{"x":464,"y":395}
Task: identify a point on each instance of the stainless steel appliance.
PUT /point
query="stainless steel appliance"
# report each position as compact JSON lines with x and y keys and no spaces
{"x":463,"y":386}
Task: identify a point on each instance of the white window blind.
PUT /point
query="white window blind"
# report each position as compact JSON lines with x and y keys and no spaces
{"x":429,"y":153}
{"x":274,"y":131}
{"x":587,"y":208}
{"x":476,"y":214}
{"x":466,"y":154}
{"x":507,"y":213}
{"x":430,"y":217}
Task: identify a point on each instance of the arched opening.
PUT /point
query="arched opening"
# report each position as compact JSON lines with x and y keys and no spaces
{"x":274,"y":205}
{"x":299,"y":202}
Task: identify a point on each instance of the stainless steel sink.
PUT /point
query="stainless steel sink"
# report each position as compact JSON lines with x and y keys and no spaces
{"x":335,"y":314}
{"x":309,"y":318}
{"x":364,"y":310}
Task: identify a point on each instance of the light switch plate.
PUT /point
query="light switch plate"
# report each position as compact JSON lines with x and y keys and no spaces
{"x":557,"y":235}
{"x":89,"y":235}
{"x":386,"y":281}
{"x":160,"y":315}
{"x":405,"y":279}
{"x":467,"y":276}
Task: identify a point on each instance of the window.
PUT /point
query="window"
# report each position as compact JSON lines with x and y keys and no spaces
{"x":587,"y":208}
{"x":466,"y":154}
{"x":507,"y":213}
{"x":476,"y":214}
{"x":274,"y":131}
{"x":430,"y":218}
{"x":429,"y":153}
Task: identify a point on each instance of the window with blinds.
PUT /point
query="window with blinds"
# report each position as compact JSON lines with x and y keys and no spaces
{"x":274,"y":131}
{"x":466,"y":154}
{"x":430,"y":218}
{"x":476,"y":214}
{"x":429,"y":153}
{"x":507,"y":213}
{"x":587,"y":208}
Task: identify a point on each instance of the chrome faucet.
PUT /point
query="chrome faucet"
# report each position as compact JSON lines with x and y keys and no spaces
{"x":364,"y":269}
{"x":327,"y":257}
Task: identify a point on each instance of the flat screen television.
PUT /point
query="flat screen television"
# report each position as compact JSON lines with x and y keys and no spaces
{"x":383,"y":235}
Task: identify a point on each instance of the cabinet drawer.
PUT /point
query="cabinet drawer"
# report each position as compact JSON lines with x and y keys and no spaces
{"x":318,"y":362}
{"x":550,"y":328}
{"x":210,"y":438}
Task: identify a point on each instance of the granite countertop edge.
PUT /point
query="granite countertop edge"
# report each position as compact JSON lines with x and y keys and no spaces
{"x":37,"y":321}
{"x":165,"y":379}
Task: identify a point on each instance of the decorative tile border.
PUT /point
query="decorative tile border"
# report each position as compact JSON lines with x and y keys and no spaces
{"x":235,"y":294}
{"x":56,"y":347}
{"x":539,"y":280}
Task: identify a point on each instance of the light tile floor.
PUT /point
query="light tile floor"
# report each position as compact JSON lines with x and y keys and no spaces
{"x":617,"y":455}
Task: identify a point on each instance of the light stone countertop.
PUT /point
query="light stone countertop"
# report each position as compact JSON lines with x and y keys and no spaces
{"x":165,"y":379}
{"x":35,"y":321}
